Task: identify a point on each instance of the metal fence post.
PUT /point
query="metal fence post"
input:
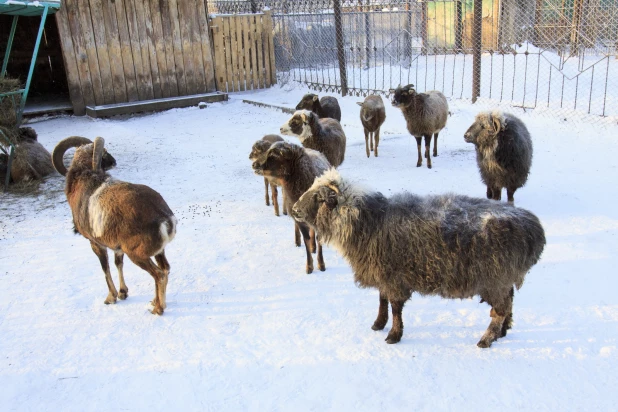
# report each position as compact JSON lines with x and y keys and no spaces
{"x":477,"y":40}
{"x":340,"y":48}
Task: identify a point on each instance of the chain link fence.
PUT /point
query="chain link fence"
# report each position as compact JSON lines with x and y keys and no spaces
{"x":549,"y":55}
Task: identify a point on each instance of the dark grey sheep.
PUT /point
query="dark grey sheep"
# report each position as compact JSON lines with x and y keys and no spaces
{"x":452,"y":246}
{"x":503,"y":152}
{"x":327,"y":106}
{"x":425,"y":114}
{"x":324,"y":135}
{"x":259,"y":149}
{"x":31,"y":160}
{"x":295,"y":168}
{"x":372,"y":116}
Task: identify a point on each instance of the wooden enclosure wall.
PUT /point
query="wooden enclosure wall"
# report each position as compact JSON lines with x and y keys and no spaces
{"x":244,"y":51}
{"x":118,"y":51}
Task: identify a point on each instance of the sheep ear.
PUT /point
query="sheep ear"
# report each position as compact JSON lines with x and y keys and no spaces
{"x":97,"y":153}
{"x":303,"y":117}
{"x":360,"y":104}
{"x":315,"y":98}
{"x":496,"y":122}
{"x":329,"y":195}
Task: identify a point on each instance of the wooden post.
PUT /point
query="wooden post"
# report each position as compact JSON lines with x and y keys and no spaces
{"x":340,"y":48}
{"x":477,"y":35}
{"x":458,"y":27}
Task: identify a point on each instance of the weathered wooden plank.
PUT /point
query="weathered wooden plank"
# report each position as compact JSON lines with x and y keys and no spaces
{"x":270,"y":106}
{"x":115,"y":53}
{"x":240,"y":55}
{"x":246,"y":49}
{"x":258,"y":48}
{"x":70,"y":63}
{"x":270,"y":29}
{"x":265,"y":28}
{"x":209,"y":69}
{"x":218,"y":34}
{"x":91,"y":50}
{"x":142,"y":68}
{"x":195,"y":38}
{"x":228,"y":54}
{"x":234,"y":52}
{"x":149,"y":60}
{"x":253,"y":52}
{"x":128,"y":65}
{"x":157,"y":41}
{"x":100,"y":39}
{"x":187,"y":47}
{"x":155,"y":104}
{"x":169,"y":40}
{"x":80,"y":51}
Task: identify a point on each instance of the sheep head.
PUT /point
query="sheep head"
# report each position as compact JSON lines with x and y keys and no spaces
{"x":329,"y":206}
{"x":278,"y":160}
{"x":403,"y":96}
{"x":299,"y":124}
{"x":308,"y":102}
{"x":259,"y":148}
{"x":88,"y":155}
{"x":485,"y":128}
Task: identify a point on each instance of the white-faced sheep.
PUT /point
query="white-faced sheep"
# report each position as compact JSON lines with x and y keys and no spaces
{"x":372,"y":116}
{"x":451,"y":246}
{"x":425,"y":114}
{"x":296,"y":169}
{"x":324,"y":135}
{"x":128,"y":218}
{"x":31,"y":160}
{"x":327,"y":106}
{"x":259,"y":149}
{"x":503,"y":152}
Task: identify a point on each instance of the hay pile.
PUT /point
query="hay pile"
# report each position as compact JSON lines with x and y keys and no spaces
{"x":8,"y":108}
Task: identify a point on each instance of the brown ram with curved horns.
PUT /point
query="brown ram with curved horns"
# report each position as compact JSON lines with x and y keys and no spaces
{"x":128,"y":218}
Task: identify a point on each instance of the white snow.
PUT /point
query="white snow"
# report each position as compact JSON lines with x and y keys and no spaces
{"x":247,"y":329}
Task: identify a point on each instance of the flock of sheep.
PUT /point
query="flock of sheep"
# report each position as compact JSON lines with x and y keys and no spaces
{"x":451,"y":245}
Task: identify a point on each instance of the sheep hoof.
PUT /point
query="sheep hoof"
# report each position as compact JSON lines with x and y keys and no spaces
{"x":123,"y":294}
{"x":309,"y":269}
{"x":393,"y":337}
{"x":428,"y":166}
{"x":322,"y":267}
{"x":110,"y":300}
{"x":435,"y":155}
{"x":419,"y":164}
{"x":378,"y":326}
{"x":157,"y":311}
{"x":484,"y":343}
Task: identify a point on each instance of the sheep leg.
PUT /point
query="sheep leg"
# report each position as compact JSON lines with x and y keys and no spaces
{"x":435,"y":144}
{"x":101,"y":253}
{"x":499,"y":323}
{"x":165,"y":267}
{"x":296,"y":235}
{"x":156,"y":273}
{"x":304,"y":229}
{"x":497,"y":191}
{"x":367,"y":141}
{"x":285,"y":202}
{"x":312,"y":240}
{"x":490,"y":192}
{"x":266,"y":183}
{"x":123,"y":292}
{"x":275,"y":195}
{"x":419,"y":163}
{"x":427,"y":146}
{"x":321,"y":264}
{"x":396,"y":332}
{"x":509,"y":194}
{"x":382,"y":318}
{"x":376,"y":135}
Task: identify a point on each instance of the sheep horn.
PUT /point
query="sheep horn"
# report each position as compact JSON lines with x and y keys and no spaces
{"x":62,"y":147}
{"x":97,"y":153}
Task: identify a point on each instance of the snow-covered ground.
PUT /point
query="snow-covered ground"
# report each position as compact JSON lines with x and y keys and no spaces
{"x":247,"y":329}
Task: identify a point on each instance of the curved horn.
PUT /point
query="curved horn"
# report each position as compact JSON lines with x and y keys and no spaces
{"x":62,"y":147}
{"x":97,"y":153}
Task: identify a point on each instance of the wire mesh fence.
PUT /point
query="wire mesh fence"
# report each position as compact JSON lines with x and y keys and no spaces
{"x":552,"y":55}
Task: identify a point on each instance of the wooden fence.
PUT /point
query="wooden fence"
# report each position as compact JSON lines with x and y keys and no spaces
{"x":118,"y":51}
{"x":244,"y":51}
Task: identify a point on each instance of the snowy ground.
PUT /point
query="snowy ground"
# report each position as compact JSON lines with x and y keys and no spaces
{"x":247,"y":329}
